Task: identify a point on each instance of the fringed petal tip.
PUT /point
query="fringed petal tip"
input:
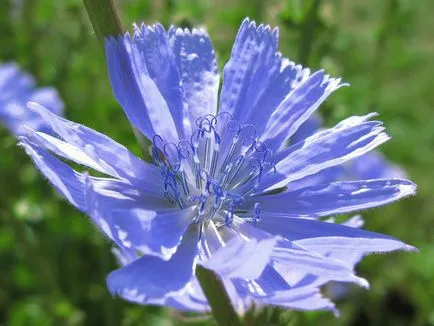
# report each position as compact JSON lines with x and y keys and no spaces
{"x":44,"y":112}
{"x":335,"y":311}
{"x":360,"y":281}
{"x":410,"y":248}
{"x":35,"y":107}
{"x":25,"y":143}
{"x":109,"y":40}
{"x":252,"y":25}
{"x":407,"y":188}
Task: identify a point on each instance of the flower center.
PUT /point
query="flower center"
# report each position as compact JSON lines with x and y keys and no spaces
{"x":217,"y":169}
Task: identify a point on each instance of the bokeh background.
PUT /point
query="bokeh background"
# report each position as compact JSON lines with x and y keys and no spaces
{"x":53,"y":262}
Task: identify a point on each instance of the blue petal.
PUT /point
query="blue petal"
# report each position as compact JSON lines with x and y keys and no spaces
{"x":14,"y":83}
{"x":349,"y":257}
{"x":271,"y":289}
{"x":324,"y":150}
{"x":354,"y":222}
{"x":335,"y":198}
{"x":297,"y":107}
{"x":342,"y":247}
{"x":266,"y":284}
{"x":198,"y":73}
{"x":69,"y":183}
{"x":136,"y":220}
{"x":133,"y":84}
{"x":252,"y":255}
{"x":302,"y":259}
{"x":86,"y":146}
{"x":143,"y":224}
{"x":373,"y":166}
{"x":133,"y":219}
{"x":304,"y":298}
{"x":49,"y":98}
{"x":280,"y":84}
{"x":322,"y":177}
{"x":16,"y":88}
{"x":150,"y":279}
{"x":192,"y":299}
{"x":324,"y":237}
{"x":307,"y":260}
{"x":252,"y":75}
{"x":307,"y":129}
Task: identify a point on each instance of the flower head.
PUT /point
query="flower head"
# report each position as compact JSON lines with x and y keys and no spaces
{"x":221,"y":189}
{"x":16,"y":89}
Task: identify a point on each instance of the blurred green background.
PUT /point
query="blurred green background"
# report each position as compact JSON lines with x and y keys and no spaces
{"x":53,"y":262}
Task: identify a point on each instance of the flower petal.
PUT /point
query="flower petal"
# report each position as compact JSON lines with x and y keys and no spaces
{"x":297,"y":107}
{"x":307,"y":129}
{"x":344,"y":247}
{"x":304,"y":298}
{"x":121,"y":211}
{"x":271,"y":289}
{"x":322,"y":177}
{"x":192,"y":299}
{"x":373,"y":165}
{"x":49,"y":98}
{"x":305,"y":259}
{"x":132,"y":63}
{"x":266,"y":284}
{"x":325,"y":149}
{"x":139,"y":226}
{"x":252,"y":254}
{"x":93,"y":149}
{"x":16,"y":88}
{"x":69,"y":183}
{"x":13,"y":82}
{"x":252,"y":78}
{"x":150,"y":279}
{"x":198,"y":73}
{"x":335,"y":198}
{"x":137,"y":220}
{"x":324,"y":237}
{"x":300,"y":259}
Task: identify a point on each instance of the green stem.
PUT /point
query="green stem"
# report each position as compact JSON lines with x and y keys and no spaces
{"x":104,"y":18}
{"x":217,"y":297}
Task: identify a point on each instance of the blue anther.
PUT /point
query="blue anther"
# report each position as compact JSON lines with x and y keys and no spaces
{"x":185,"y":149}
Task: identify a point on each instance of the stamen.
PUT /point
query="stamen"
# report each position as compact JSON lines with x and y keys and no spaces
{"x":235,"y":169}
{"x":236,"y":128}
{"x":215,"y":174}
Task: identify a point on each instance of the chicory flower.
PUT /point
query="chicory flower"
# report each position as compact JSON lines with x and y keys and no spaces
{"x":16,"y":89}
{"x":220,"y":190}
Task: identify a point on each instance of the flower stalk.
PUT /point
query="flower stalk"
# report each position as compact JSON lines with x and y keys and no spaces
{"x":104,"y":18}
{"x":217,"y":297}
{"x":105,"y":21}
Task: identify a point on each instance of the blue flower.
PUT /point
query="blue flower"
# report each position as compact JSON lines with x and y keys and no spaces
{"x":219,"y":189}
{"x":16,"y":89}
